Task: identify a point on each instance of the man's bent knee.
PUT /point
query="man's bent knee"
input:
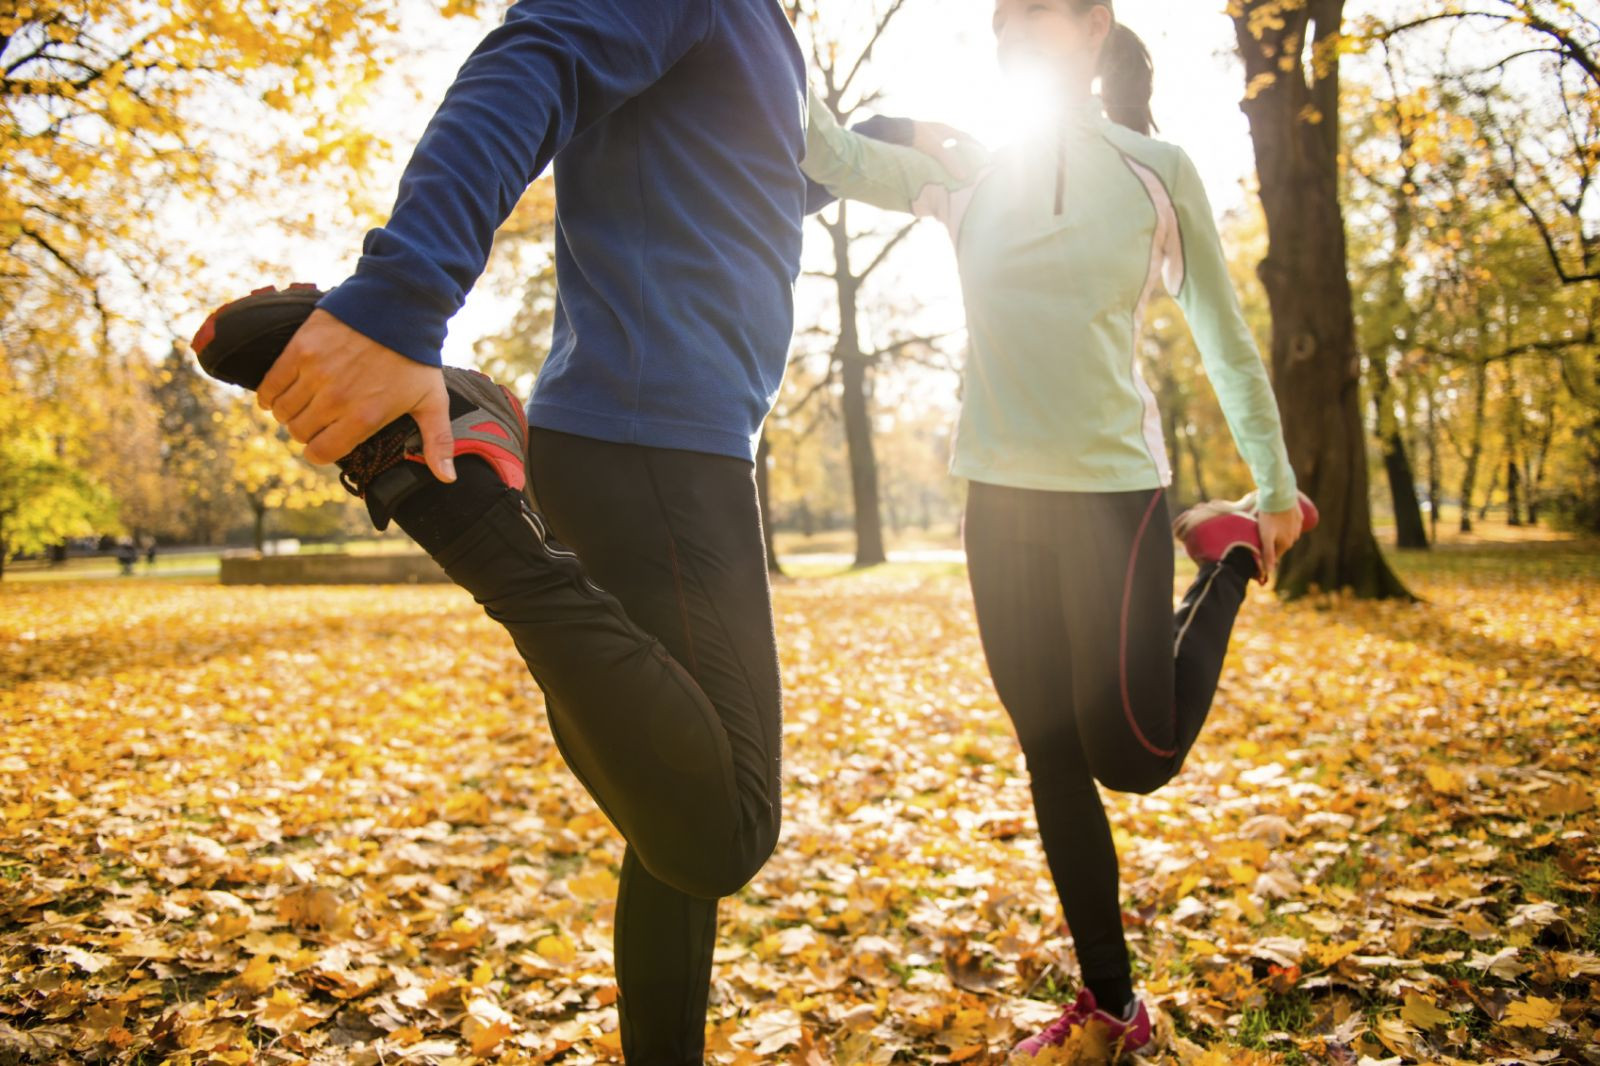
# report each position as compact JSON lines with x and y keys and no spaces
{"x":712,"y":873}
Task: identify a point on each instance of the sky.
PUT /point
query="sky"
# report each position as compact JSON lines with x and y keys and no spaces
{"x":937,"y":62}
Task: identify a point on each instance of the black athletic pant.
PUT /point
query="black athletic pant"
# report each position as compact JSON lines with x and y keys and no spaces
{"x":660,"y":675}
{"x":1074,"y":600}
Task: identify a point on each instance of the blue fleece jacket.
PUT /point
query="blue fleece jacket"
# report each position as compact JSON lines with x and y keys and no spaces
{"x":676,"y":128}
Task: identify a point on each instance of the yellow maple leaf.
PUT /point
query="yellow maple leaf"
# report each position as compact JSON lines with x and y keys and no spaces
{"x":259,"y":975}
{"x":1421,"y":1011}
{"x":597,"y":886}
{"x":1445,"y":782}
{"x":1534,"y":1012}
{"x":485,"y":1038}
{"x":1331,"y":954}
{"x":556,"y":949}
{"x":1572,"y":798}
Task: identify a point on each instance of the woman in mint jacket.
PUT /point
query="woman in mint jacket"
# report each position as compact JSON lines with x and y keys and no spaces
{"x":1061,"y":245}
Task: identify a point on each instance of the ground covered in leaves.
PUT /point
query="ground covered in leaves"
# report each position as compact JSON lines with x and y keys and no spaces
{"x":329,"y":826}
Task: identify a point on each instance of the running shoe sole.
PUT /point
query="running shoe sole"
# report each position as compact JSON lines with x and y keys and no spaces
{"x":239,"y":342}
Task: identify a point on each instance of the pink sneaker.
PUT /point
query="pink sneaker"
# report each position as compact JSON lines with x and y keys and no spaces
{"x":1119,"y":1036}
{"x":1212,"y":529}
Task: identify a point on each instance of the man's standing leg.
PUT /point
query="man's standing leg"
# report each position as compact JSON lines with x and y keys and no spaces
{"x":676,"y":537}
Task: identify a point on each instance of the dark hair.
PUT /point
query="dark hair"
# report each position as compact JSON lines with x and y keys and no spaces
{"x":1127,"y":75}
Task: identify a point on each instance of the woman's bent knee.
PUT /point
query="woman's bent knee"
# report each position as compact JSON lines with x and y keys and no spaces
{"x":1140,"y":778}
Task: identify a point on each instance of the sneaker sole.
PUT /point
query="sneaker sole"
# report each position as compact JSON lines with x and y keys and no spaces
{"x":239,"y":342}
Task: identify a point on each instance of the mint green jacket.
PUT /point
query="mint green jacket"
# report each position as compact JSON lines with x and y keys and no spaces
{"x":1061,"y":248}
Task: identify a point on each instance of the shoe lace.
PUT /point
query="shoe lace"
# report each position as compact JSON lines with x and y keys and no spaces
{"x":1062,"y":1027}
{"x":372,"y":457}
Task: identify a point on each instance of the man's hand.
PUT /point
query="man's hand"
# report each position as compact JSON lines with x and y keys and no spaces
{"x":1279,"y":531}
{"x":333,"y":388}
{"x":950,"y":146}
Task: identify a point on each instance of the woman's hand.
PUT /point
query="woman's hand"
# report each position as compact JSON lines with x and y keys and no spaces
{"x":950,"y":146}
{"x":1279,"y":531}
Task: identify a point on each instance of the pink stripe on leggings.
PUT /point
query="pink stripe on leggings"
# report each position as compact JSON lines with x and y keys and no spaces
{"x":1122,"y":638}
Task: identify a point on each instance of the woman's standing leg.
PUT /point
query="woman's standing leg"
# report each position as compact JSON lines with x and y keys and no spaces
{"x":1012,"y":541}
{"x":676,"y":538}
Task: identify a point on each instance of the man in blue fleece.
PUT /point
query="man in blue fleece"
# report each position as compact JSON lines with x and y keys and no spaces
{"x":676,"y":128}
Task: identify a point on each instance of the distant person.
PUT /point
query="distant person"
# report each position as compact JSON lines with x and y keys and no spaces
{"x":636,"y":588}
{"x":127,"y":555}
{"x":150,"y":552}
{"x":1062,"y":243}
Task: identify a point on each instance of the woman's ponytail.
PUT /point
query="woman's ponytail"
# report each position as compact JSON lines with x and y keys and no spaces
{"x":1127,"y":78}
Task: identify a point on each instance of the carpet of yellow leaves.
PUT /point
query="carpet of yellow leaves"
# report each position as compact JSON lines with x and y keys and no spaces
{"x":329,"y":826}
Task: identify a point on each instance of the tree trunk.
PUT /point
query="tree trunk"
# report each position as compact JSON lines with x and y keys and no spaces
{"x":1513,"y":492}
{"x":863,"y":463}
{"x":260,"y":513}
{"x":764,"y":501}
{"x":853,"y":371}
{"x":1434,"y":490}
{"x":1539,"y":461}
{"x":1169,"y":415}
{"x":1513,"y":433}
{"x":1294,"y":124}
{"x":1469,"y":472}
{"x":1198,"y":466}
{"x":1408,"y":527}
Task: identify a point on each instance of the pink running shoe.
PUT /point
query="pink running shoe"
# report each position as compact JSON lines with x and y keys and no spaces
{"x":1119,"y":1036}
{"x":1212,"y":529}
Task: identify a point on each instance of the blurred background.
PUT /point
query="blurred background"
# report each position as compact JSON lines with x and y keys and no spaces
{"x":157,"y":159}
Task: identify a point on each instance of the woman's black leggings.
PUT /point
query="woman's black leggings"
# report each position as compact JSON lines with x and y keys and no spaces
{"x":1074,"y":599}
{"x":660,"y":674}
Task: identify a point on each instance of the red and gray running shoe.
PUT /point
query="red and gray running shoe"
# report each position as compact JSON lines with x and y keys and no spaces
{"x":1120,"y":1037}
{"x":1210,"y":530}
{"x":240,"y":341}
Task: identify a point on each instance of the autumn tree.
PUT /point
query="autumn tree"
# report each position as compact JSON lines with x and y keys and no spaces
{"x":268,"y":470}
{"x":1394,"y":146}
{"x":193,"y":450}
{"x":123,"y":125}
{"x":1531,"y":78}
{"x":839,"y":73}
{"x":43,"y":499}
{"x":1494,"y":111}
{"x":1551,"y":171}
{"x":1291,"y":53}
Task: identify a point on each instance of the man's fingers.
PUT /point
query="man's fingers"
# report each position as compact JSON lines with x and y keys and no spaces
{"x":292,"y":402}
{"x":282,"y":374}
{"x":438,"y":443}
{"x":335,"y":440}
{"x":313,"y":420}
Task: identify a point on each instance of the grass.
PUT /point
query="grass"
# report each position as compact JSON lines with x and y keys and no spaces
{"x":1287,"y":1013}
{"x":1535,"y":551}
{"x":183,"y":564}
